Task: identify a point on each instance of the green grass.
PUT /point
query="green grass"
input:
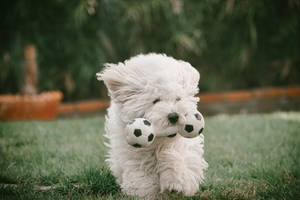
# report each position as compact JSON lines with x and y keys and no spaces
{"x":250,"y":157}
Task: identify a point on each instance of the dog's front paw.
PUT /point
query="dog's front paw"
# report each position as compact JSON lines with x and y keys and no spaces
{"x":194,"y":125}
{"x":139,"y":133}
{"x":169,"y":181}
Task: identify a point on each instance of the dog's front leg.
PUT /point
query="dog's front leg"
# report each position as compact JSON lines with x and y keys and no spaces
{"x":175,"y":174}
{"x":137,"y":182}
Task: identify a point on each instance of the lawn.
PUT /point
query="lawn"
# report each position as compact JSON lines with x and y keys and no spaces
{"x":250,"y":157}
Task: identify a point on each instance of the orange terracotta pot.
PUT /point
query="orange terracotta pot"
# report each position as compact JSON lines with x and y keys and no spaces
{"x":25,"y":107}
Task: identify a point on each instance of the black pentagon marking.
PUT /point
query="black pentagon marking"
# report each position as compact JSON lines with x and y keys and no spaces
{"x":188,"y":128}
{"x":150,"y":137}
{"x":200,"y":131}
{"x":198,"y":116}
{"x":147,"y":123}
{"x":172,"y":135}
{"x":137,"y":145}
{"x":131,"y":122}
{"x":137,"y":132}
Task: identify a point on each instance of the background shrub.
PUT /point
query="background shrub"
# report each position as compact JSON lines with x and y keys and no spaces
{"x":234,"y":44}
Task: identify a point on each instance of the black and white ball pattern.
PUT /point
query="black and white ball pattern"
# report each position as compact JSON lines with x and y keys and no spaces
{"x":194,"y":125}
{"x":139,"y":133}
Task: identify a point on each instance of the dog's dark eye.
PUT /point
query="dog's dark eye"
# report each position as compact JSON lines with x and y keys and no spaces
{"x":178,"y":99}
{"x":155,"y":101}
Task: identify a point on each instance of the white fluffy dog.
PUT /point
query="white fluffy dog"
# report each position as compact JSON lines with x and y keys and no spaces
{"x":162,"y":90}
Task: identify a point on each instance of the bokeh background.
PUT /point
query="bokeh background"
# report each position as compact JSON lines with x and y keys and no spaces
{"x":235,"y":44}
{"x":248,"y":54}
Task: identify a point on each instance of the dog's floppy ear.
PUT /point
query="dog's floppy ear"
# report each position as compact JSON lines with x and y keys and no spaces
{"x":118,"y":80}
{"x":191,"y":78}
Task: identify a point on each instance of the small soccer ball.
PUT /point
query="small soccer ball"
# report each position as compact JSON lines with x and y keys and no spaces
{"x":139,"y":133}
{"x":194,"y":125}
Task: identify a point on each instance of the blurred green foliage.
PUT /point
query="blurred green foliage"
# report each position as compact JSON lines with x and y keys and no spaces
{"x":234,"y":44}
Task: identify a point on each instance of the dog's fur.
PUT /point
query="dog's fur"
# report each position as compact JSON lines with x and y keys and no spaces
{"x":173,"y":164}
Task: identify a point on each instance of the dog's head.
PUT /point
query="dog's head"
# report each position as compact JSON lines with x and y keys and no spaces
{"x":153,"y":86}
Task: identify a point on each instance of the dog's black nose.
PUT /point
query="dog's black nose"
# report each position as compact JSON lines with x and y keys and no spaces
{"x":173,"y":117}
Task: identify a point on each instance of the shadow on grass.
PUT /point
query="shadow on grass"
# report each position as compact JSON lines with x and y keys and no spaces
{"x":91,"y":181}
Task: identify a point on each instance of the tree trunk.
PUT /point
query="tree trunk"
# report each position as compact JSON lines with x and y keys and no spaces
{"x":31,"y":71}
